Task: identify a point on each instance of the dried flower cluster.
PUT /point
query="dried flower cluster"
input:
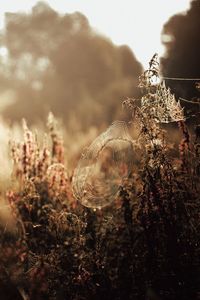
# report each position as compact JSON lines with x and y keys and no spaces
{"x":32,"y":163}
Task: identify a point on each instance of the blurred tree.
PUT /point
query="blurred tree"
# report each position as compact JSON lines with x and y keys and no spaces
{"x":182,"y":41}
{"x":59,"y":63}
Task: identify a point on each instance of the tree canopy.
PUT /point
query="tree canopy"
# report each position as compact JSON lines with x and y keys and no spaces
{"x":182,"y":41}
{"x":58,"y":62}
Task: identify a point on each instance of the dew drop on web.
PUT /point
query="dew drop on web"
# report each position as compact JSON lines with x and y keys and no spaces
{"x":103,"y":167}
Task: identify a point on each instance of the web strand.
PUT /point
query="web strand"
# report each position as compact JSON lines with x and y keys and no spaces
{"x":181,"y":79}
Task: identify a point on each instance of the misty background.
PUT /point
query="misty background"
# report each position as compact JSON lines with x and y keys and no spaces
{"x":58,"y":62}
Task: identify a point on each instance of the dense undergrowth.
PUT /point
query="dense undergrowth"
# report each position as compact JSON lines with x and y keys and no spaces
{"x":145,"y":245}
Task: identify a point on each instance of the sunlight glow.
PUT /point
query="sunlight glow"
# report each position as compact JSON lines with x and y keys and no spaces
{"x":3,"y":51}
{"x":137,"y":23}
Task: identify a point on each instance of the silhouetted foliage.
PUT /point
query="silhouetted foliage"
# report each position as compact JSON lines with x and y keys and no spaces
{"x":182,"y":41}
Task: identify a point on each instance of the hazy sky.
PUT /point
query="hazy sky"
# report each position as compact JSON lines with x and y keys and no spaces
{"x":137,"y":23}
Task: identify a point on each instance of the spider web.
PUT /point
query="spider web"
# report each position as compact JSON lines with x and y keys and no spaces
{"x":103,"y":167}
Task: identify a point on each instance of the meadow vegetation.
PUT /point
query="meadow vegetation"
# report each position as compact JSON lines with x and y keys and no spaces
{"x":145,"y":245}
